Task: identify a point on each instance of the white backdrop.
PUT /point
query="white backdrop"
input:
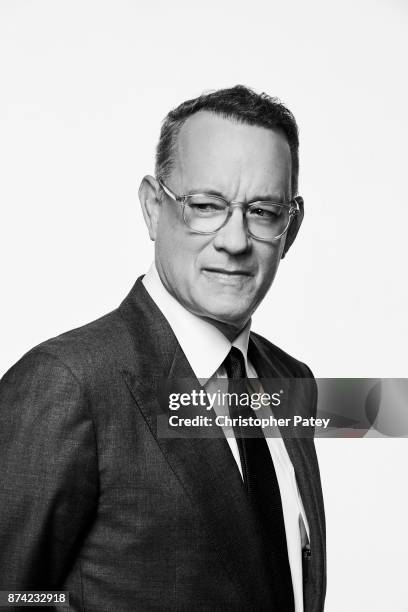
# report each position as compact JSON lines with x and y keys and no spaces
{"x":84,"y":86}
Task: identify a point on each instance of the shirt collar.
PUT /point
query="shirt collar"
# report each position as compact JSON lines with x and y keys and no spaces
{"x":204,"y":346}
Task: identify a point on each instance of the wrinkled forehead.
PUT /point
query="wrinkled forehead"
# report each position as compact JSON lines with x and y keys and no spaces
{"x":237,"y":159}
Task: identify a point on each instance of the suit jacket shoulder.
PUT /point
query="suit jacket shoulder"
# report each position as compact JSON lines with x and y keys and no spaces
{"x":270,"y":361}
{"x":292,"y":366}
{"x":120,"y":340}
{"x":87,"y":348}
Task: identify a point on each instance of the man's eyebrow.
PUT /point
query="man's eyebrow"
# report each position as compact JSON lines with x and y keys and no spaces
{"x":256,"y":198}
{"x":206,"y":190}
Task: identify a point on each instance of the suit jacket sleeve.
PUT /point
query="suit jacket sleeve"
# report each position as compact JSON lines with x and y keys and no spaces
{"x":48,"y":472}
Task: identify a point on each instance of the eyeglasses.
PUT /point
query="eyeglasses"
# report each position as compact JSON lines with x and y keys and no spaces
{"x":205,"y":213}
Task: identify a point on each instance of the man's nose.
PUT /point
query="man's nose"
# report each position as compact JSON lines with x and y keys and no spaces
{"x":233,"y":237}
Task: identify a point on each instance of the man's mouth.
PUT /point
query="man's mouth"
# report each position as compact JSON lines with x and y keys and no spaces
{"x":236,"y":271}
{"x":227,"y":272}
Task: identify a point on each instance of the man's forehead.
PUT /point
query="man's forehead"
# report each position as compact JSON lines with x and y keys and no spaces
{"x":213,"y":148}
{"x":209,"y":129}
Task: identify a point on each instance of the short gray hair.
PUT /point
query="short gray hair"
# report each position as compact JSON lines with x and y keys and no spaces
{"x":239,"y":103}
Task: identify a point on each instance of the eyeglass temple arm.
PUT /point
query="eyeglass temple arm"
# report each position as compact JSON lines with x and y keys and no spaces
{"x":167,"y":191}
{"x":295,"y":205}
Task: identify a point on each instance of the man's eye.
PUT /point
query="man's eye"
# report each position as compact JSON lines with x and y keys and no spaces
{"x":206,"y":207}
{"x":266,"y":212}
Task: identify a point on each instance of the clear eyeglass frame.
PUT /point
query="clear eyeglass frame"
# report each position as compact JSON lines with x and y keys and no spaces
{"x":292,"y":206}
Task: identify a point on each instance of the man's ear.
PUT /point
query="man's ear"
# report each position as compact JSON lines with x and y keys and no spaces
{"x":294,"y":227}
{"x":149,"y":196}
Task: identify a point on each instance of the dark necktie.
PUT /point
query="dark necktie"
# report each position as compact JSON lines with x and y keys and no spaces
{"x":262,"y":489}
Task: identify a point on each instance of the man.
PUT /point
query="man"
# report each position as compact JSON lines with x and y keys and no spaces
{"x":94,"y":500}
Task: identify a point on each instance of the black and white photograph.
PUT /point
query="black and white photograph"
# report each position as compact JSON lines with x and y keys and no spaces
{"x":203,"y":379}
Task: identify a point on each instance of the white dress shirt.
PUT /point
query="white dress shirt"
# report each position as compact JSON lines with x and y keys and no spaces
{"x":206,"y":348}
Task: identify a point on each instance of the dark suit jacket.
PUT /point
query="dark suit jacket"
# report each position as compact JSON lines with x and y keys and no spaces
{"x":94,"y":502}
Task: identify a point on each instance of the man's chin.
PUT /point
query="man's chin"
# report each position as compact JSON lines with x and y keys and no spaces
{"x":227,"y":318}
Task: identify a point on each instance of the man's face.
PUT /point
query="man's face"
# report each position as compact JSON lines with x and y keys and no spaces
{"x":224,"y":276}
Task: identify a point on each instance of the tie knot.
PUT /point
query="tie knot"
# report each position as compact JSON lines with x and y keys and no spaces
{"x":235,"y":364}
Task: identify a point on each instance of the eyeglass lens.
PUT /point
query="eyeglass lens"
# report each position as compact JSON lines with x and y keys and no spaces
{"x":265,"y":220}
